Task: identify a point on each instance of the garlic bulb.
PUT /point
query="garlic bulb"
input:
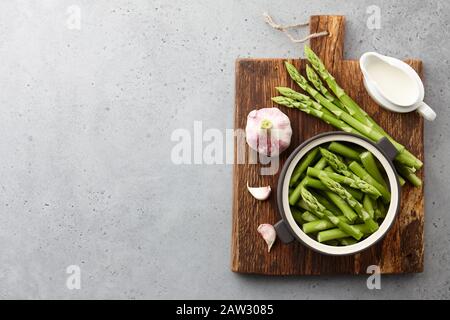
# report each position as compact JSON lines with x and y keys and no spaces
{"x":268,"y":131}
{"x":268,"y":233}
{"x":259,"y":193}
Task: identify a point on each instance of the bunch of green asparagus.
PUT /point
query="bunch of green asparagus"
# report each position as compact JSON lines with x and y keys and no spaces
{"x":330,"y":103}
{"x":338,"y":194}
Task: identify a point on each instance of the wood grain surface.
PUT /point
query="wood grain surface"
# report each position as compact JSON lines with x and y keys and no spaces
{"x":401,"y":251}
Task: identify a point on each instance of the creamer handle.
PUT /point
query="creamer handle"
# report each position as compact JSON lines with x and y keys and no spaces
{"x":426,"y":112}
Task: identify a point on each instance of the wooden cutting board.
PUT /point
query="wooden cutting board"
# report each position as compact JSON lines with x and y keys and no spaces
{"x":401,"y":251}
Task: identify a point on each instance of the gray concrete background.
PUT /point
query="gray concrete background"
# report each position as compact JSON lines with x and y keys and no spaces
{"x":85,"y":123}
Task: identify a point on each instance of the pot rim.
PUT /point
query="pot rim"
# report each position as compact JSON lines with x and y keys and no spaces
{"x":283,"y":190}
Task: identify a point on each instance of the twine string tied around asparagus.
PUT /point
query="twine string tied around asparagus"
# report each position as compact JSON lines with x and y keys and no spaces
{"x":285,"y":28}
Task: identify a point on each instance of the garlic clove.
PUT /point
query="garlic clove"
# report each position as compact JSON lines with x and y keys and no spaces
{"x":268,"y":233}
{"x":259,"y":193}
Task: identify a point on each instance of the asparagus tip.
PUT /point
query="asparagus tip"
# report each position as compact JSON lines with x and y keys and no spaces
{"x":288,"y":65}
{"x":307,"y":49}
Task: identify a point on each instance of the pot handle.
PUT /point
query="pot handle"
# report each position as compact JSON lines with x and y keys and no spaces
{"x":283,"y":232}
{"x":388,"y":148}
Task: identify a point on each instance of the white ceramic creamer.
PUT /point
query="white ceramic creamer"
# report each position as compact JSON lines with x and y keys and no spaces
{"x":394,"y":85}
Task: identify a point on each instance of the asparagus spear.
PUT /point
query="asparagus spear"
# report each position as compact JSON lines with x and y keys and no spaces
{"x":368,"y":205}
{"x":316,"y":226}
{"x":313,"y":183}
{"x":348,"y":102}
{"x":321,"y":164}
{"x":377,"y":209}
{"x":369,"y":163}
{"x":346,"y":210}
{"x":306,"y":182}
{"x":327,"y":203}
{"x":317,"y":83}
{"x":317,"y":184}
{"x":295,"y":195}
{"x":383,"y":209}
{"x":308,"y":216}
{"x":338,"y":165}
{"x":336,"y":162}
{"x":363,"y":174}
{"x":341,"y":203}
{"x":339,"y":113}
{"x":320,"y":225}
{"x":297,"y":215}
{"x":297,"y":96}
{"x":301,"y":167}
{"x":402,"y":181}
{"x":302,"y":205}
{"x":347,"y":241}
{"x":409,"y":174}
{"x":330,"y":119}
{"x":358,"y":184}
{"x":354,"y":109}
{"x":320,"y":211}
{"x":357,"y":194}
{"x":405,"y":157}
{"x":338,"y":189}
{"x":336,"y":233}
{"x":343,"y":150}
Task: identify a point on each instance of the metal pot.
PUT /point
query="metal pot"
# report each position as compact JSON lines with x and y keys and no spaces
{"x":288,"y":230}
